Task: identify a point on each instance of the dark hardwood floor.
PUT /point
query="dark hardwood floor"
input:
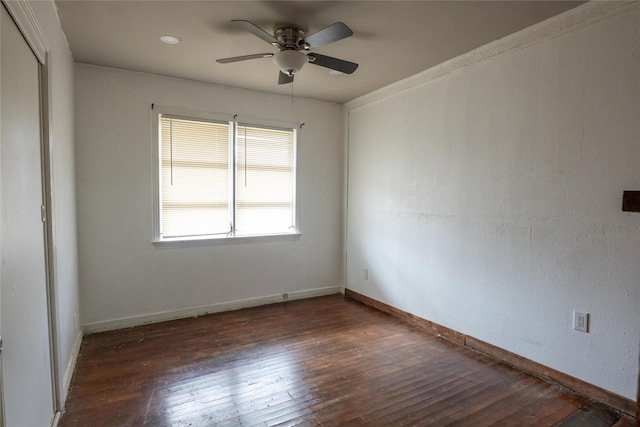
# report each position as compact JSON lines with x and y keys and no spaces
{"x":326,"y":361}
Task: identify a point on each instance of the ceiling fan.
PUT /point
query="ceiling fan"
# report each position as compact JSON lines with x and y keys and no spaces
{"x":296,"y":48}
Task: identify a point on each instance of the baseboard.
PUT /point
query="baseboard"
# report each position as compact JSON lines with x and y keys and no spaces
{"x":551,"y":375}
{"x":638,"y":404}
{"x":56,"y":419}
{"x":128,"y":322}
{"x":534,"y":368}
{"x":71,"y":365}
{"x":68,"y":375}
{"x":433,"y":327}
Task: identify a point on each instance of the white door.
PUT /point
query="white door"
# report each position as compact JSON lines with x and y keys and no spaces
{"x":24,"y":324}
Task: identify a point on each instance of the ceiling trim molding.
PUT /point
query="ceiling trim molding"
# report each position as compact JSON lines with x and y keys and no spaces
{"x":26,"y":20}
{"x":570,"y":20}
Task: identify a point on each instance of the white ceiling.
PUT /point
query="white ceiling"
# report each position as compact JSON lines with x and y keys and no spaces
{"x":392,"y":39}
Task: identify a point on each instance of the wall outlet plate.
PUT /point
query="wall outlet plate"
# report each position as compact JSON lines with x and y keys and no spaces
{"x":580,"y":321}
{"x":365,"y":273}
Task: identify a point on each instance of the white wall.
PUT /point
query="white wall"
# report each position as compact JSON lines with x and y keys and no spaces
{"x":63,"y":188}
{"x":122,"y":275}
{"x":488,"y":199}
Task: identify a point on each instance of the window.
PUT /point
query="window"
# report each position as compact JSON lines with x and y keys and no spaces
{"x":221,"y":179}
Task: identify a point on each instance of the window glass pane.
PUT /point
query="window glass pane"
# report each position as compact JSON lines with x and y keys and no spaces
{"x":194,"y":177}
{"x":264,"y":180}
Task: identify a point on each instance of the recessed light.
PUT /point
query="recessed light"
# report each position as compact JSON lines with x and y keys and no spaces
{"x":170,"y":39}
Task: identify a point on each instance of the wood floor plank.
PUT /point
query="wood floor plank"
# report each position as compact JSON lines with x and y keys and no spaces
{"x":625,"y":421}
{"x":593,"y":415}
{"x":534,"y":411}
{"x":320,"y":362}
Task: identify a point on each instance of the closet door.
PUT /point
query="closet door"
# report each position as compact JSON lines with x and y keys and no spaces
{"x":24,"y":325}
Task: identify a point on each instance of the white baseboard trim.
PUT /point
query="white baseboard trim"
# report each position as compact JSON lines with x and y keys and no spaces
{"x":71,"y":366}
{"x":127,"y":322}
{"x":56,"y":419}
{"x":68,"y":375}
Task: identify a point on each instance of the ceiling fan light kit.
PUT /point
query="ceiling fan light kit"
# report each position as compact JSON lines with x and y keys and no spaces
{"x":296,"y":48}
{"x":290,"y":61}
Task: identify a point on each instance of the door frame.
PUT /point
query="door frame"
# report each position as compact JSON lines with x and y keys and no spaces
{"x":28,"y":24}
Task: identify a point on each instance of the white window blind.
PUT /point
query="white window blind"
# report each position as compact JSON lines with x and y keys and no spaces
{"x":264,"y":180}
{"x":195,"y":177}
{"x":214,"y":182}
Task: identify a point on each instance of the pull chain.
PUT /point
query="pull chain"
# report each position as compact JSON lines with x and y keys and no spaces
{"x":292,"y":94}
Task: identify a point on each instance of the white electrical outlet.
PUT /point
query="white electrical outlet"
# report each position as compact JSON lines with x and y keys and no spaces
{"x":365,"y":273}
{"x":580,"y":321}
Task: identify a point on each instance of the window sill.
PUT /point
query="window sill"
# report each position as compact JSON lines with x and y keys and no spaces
{"x":222,"y":241}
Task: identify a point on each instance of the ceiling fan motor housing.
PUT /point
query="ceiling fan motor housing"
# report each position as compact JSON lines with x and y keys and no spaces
{"x":291,"y":37}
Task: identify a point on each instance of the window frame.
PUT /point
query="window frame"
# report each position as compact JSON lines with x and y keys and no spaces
{"x":233,"y":120}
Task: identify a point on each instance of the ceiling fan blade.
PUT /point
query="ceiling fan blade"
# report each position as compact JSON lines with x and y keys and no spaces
{"x":332,"y":63}
{"x":330,"y":34}
{"x":283,"y":79}
{"x":244,"y":58}
{"x":256,"y":31}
